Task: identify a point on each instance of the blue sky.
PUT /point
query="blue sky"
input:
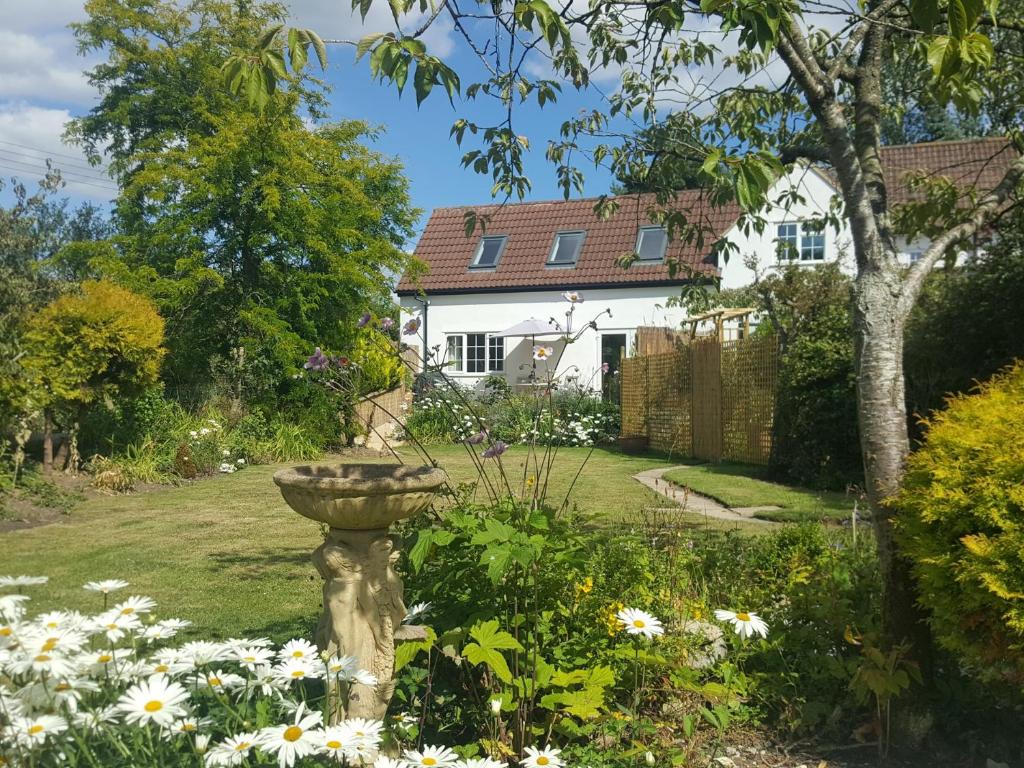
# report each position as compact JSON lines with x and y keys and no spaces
{"x":42,"y":86}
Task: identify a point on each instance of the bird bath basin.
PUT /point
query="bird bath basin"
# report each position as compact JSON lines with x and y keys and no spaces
{"x":363,"y":606}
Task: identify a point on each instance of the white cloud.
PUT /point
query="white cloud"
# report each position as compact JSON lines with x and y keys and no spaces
{"x":30,"y":134}
{"x":34,"y":66}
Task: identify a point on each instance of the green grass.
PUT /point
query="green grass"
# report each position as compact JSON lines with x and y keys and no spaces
{"x":739,"y":485}
{"x":228,"y":554}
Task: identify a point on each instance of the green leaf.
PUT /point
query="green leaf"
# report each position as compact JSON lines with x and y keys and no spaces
{"x":490,"y":640}
{"x":268,"y":36}
{"x":420,"y":550}
{"x":365,"y":43}
{"x":423,"y":81}
{"x":956,"y":17}
{"x":409,"y":650}
{"x":318,"y":47}
{"x":942,"y":55}
{"x":490,"y":635}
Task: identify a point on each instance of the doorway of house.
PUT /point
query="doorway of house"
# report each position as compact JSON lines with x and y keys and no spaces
{"x":613,"y":349}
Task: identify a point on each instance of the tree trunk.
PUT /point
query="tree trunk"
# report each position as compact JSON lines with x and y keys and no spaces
{"x":882,"y":414}
{"x":47,"y":441}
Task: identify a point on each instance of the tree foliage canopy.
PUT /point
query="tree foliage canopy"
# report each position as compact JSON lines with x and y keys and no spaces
{"x":94,"y":346}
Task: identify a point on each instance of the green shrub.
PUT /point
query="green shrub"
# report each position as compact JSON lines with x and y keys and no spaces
{"x":962,"y":525}
{"x":292,"y":442}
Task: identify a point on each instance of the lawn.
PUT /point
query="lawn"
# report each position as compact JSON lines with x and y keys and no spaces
{"x":738,"y":485}
{"x":228,"y":554}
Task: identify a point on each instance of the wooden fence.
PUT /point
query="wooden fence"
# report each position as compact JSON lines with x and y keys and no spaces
{"x":711,"y":400}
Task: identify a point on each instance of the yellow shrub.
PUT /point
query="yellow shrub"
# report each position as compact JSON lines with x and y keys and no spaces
{"x":961,"y":523}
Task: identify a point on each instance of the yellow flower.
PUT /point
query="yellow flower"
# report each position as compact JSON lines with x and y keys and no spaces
{"x":610,"y":618}
{"x":584,"y":587}
{"x":530,"y":481}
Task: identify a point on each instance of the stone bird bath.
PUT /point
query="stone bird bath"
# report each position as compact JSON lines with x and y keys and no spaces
{"x":362,"y":594}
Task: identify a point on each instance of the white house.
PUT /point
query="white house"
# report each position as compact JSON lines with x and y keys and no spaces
{"x":473,"y":289}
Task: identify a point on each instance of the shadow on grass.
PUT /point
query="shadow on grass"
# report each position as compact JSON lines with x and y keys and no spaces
{"x":253,"y":563}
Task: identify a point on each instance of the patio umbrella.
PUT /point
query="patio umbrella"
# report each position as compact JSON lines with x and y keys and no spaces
{"x":533,"y":327}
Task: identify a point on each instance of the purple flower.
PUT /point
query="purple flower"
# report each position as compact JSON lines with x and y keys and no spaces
{"x":605,"y":367}
{"x":318,"y":361}
{"x":411,"y":327}
{"x":363,"y":320}
{"x":495,"y":450}
{"x":387,"y":324}
{"x":478,"y":438}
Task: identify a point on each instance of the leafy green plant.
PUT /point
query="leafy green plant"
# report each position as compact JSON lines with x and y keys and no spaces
{"x":292,"y":442}
{"x":960,"y":524}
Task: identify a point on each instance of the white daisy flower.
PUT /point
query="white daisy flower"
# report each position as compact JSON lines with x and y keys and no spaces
{"x":383,"y":761}
{"x":22,"y":581}
{"x":431,"y":757}
{"x":574,"y":297}
{"x":56,"y":693}
{"x":234,"y":643}
{"x":746,"y":624}
{"x":155,"y":700}
{"x":185,"y":726}
{"x":168,"y":661}
{"x":90,"y":719}
{"x":135,"y":604}
{"x":203,"y":652}
{"x":45,"y":640}
{"x":219,"y":680}
{"x":542,"y":758}
{"x":103,"y":663}
{"x":339,"y":743}
{"x":116,"y":625}
{"x":254,"y":656}
{"x":298,"y":649}
{"x":105,"y":587}
{"x":175,"y":625}
{"x":367,"y":731}
{"x":33,"y":731}
{"x":415,"y":612}
{"x":299,"y":669}
{"x":637,"y":622}
{"x":265,"y":683}
{"x":51,"y":664}
{"x":294,"y":740}
{"x":11,"y":606}
{"x":232,"y":751}
{"x":225,"y":453}
{"x":60,"y":620}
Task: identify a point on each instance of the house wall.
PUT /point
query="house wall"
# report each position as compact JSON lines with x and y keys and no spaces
{"x":759,"y":250}
{"x":493,"y":312}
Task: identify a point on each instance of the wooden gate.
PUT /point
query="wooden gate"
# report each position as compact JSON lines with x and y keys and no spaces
{"x":706,"y":402}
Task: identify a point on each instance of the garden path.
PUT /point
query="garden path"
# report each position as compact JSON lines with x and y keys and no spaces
{"x":695,"y":502}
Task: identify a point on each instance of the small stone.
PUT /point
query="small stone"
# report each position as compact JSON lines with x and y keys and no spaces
{"x":725,"y":762}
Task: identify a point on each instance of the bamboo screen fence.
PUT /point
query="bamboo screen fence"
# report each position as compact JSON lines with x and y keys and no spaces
{"x":709,"y":399}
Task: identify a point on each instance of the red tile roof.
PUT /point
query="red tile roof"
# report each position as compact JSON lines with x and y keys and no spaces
{"x":978,"y":163}
{"x":531,"y":228}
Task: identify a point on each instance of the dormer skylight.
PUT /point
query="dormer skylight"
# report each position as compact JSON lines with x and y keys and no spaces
{"x":651,"y":243}
{"x":488,"y":252}
{"x":566,"y":249}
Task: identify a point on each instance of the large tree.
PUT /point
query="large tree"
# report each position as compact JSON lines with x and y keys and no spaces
{"x":752,"y":86}
{"x":251,"y":228}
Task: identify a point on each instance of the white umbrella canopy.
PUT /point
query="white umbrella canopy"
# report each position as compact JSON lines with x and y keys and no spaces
{"x":533,"y":327}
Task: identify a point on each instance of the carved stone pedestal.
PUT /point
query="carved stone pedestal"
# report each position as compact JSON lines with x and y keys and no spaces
{"x":362,"y":594}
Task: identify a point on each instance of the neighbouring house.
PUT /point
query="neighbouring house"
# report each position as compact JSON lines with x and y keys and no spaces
{"x":474,"y":289}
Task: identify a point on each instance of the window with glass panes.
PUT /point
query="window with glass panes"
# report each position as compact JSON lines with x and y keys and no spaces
{"x":566,"y":249}
{"x":475,"y":353}
{"x":651,"y":243}
{"x":787,"y":238}
{"x":812,"y":243}
{"x":489,"y":251}
{"x":496,"y":353}
{"x":455,"y":349}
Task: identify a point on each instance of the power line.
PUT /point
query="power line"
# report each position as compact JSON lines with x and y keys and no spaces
{"x":93,"y":182}
{"x":56,"y":163}
{"x":43,"y":151}
{"x":37,"y":162}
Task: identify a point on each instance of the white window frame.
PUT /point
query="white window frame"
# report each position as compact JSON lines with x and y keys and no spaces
{"x":461,"y":342}
{"x":575,"y":257}
{"x":475,"y":264}
{"x":639,"y":239}
{"x":801,"y":242}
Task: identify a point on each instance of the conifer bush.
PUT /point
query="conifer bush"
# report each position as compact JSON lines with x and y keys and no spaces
{"x":962,"y":525}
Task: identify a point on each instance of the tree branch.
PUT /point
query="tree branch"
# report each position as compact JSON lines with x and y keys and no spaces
{"x":984,"y":213}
